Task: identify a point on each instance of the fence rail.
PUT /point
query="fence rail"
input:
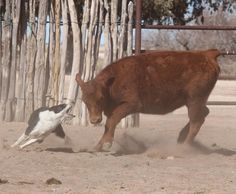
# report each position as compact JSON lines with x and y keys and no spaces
{"x":179,"y":27}
{"x":222,"y":103}
{"x":138,"y":35}
{"x":222,"y":53}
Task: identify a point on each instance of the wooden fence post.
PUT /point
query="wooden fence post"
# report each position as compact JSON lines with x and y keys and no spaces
{"x":90,"y":53}
{"x":31,"y":53}
{"x":51,"y":58}
{"x":98,"y":33}
{"x":6,"y":35}
{"x":121,"y":39}
{"x":40,"y":67}
{"x":1,"y":56}
{"x":84,"y":24}
{"x":21,"y":68}
{"x":65,"y":29}
{"x":11,"y":101}
{"x":114,"y":28}
{"x":137,"y":44}
{"x":131,"y":118}
{"x":76,"y":50}
{"x":107,"y":36}
{"x":122,"y":31}
{"x":56,"y":66}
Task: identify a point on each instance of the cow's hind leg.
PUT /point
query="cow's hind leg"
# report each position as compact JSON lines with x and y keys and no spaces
{"x":183,"y":133}
{"x":197,"y":113}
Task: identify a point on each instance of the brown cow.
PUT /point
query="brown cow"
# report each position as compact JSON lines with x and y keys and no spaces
{"x":152,"y":83}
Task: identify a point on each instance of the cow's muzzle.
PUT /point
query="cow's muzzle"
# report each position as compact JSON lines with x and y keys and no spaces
{"x":96,"y":120}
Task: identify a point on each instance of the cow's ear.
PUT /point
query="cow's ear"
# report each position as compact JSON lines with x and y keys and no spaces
{"x":109,"y":81}
{"x":79,"y":80}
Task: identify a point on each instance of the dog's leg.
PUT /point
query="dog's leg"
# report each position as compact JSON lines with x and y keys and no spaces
{"x":22,"y":138}
{"x":31,"y":141}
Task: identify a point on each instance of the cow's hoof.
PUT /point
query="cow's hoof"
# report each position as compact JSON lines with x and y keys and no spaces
{"x":106,"y":146}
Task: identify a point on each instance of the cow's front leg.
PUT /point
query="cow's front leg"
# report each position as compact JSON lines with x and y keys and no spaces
{"x":113,"y":119}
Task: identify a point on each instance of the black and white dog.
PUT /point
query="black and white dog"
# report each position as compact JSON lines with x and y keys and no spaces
{"x":42,"y":122}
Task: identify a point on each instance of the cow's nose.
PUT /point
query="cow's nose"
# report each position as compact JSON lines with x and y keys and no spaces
{"x":96,"y":120}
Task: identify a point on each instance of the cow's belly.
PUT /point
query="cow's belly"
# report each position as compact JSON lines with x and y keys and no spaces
{"x":163,"y":106}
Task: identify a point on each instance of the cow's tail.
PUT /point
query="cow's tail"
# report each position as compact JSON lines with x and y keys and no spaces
{"x":213,"y":53}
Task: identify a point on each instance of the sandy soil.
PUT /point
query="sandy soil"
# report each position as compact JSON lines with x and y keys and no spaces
{"x":142,"y":160}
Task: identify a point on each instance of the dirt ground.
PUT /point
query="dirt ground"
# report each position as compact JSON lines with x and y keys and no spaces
{"x":142,"y":160}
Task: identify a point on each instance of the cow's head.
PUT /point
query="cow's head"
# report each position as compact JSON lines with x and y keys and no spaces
{"x":94,"y":96}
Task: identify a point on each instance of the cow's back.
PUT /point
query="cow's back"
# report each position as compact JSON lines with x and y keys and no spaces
{"x":163,"y":81}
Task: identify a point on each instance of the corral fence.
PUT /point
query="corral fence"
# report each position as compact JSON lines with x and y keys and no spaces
{"x":138,"y":35}
{"x":40,"y":38}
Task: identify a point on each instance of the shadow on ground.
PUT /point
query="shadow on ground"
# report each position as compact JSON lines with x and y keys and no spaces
{"x":206,"y":150}
{"x":60,"y":149}
{"x":128,"y":145}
